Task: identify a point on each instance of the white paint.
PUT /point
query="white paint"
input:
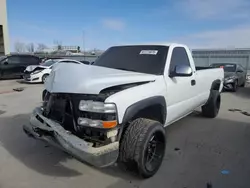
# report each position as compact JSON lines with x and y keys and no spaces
{"x":88,"y":79}
{"x":181,"y":98}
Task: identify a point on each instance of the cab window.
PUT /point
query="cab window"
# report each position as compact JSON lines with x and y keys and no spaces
{"x":179,"y":57}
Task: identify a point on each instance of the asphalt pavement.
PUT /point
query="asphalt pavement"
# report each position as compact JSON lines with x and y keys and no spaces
{"x":200,"y":153}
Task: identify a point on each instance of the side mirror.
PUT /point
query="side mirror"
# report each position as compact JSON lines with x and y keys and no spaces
{"x":5,"y":62}
{"x":239,"y":71}
{"x":181,"y":71}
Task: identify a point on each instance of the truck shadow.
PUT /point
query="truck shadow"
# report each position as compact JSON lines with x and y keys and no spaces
{"x":198,"y":150}
{"x":243,"y":92}
{"x":34,"y":154}
{"x":27,"y":83}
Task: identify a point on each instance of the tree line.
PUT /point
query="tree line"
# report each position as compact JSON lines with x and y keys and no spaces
{"x":30,"y":47}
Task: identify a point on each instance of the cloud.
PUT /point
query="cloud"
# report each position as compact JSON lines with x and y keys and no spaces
{"x":113,"y":24}
{"x":236,"y":37}
{"x":214,"y":9}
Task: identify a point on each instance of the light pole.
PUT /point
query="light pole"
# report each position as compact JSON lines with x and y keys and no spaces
{"x":83,"y":40}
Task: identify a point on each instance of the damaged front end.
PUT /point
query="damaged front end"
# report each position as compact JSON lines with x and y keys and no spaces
{"x":30,"y":75}
{"x":82,"y":125}
{"x":229,"y":83}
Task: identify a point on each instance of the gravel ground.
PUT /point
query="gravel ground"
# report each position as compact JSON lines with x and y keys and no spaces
{"x":200,"y":152}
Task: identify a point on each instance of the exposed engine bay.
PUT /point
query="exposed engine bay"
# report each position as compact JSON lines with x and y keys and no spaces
{"x":64,"y":109}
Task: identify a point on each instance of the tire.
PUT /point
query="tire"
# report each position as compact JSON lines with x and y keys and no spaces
{"x":142,"y":138}
{"x":235,"y":86}
{"x":212,"y":107}
{"x":45,"y":76}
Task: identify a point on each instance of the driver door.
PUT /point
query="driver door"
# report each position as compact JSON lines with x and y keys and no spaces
{"x":181,"y":91}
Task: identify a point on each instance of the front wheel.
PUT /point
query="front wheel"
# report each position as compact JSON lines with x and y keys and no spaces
{"x":44,"y":78}
{"x":212,"y":107}
{"x":143,"y":147}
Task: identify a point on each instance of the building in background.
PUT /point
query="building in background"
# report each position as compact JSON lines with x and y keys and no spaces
{"x":4,"y":35}
{"x":206,"y":57}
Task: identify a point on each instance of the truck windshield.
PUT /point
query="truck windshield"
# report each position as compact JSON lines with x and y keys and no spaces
{"x":226,"y":67}
{"x":149,"y":59}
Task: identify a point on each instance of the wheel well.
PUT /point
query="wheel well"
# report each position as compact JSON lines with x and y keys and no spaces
{"x":46,"y":74}
{"x":153,"y":108}
{"x":153,"y":112}
{"x":216,"y":85}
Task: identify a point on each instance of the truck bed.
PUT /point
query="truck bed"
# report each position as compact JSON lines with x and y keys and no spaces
{"x":202,"y":68}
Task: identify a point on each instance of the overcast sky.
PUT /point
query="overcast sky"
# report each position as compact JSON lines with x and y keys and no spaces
{"x":197,"y":23}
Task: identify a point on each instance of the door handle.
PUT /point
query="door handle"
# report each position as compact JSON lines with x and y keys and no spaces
{"x":193,"y":82}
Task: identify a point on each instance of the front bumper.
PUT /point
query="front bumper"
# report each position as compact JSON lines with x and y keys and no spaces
{"x":31,"y":78}
{"x":47,"y":130}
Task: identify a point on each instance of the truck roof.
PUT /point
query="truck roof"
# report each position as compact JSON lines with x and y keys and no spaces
{"x":157,"y":44}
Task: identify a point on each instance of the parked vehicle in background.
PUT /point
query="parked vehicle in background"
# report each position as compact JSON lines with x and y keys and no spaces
{"x":13,"y":66}
{"x":117,"y":108}
{"x":47,"y":58}
{"x":39,"y":73}
{"x":234,"y":75}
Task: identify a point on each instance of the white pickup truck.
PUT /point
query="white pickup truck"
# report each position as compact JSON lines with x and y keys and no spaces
{"x":117,"y":108}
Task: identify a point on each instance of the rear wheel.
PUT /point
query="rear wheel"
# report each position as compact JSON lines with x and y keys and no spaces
{"x":143,"y":147}
{"x":212,"y":107}
{"x":44,"y":78}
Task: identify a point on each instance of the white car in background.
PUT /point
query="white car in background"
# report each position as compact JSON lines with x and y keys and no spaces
{"x":39,"y":73}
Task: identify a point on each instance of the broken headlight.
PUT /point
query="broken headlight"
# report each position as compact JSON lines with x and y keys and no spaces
{"x":103,"y":115}
{"x":98,"y":107}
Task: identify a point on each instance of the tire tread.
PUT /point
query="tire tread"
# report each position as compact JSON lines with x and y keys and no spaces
{"x":133,"y":141}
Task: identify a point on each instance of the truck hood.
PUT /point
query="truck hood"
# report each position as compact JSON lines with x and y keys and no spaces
{"x":89,"y":79}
